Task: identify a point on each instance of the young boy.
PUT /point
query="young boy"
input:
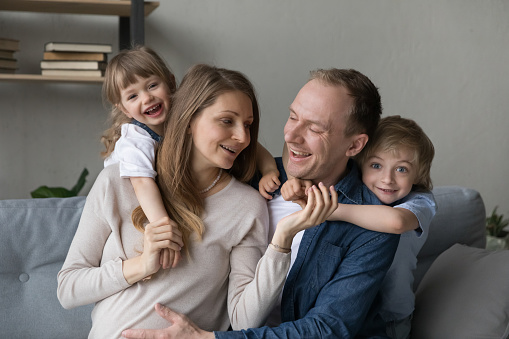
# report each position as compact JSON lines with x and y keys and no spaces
{"x":396,"y":167}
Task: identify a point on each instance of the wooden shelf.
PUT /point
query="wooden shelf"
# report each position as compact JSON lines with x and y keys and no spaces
{"x":120,"y":8}
{"x":48,"y":78}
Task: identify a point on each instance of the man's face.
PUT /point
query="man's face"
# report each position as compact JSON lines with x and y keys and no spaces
{"x":314,"y":133}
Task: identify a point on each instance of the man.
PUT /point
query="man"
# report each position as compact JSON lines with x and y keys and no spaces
{"x":333,"y":284}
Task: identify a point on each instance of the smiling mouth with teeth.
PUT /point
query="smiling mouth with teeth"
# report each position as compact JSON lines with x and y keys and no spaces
{"x":299,"y":154}
{"x":228,"y":149}
{"x":153,"y":110}
{"x":387,"y":190}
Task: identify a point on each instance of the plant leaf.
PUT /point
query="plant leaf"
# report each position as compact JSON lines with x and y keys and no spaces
{"x":51,"y":192}
{"x":81,"y":182}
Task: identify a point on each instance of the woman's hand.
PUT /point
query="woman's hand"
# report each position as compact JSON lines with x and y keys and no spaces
{"x":161,"y":238}
{"x":321,"y":202}
{"x":159,"y":235}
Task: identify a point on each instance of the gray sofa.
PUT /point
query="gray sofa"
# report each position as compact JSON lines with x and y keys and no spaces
{"x":36,"y":233}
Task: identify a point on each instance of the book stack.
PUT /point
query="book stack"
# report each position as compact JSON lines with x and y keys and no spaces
{"x":75,"y":59}
{"x":8,"y":64}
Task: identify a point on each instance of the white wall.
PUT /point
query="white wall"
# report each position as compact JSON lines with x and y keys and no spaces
{"x":441,"y":63}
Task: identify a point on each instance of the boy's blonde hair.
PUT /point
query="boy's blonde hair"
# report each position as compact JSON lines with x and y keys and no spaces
{"x":394,"y":132}
{"x":121,"y":72}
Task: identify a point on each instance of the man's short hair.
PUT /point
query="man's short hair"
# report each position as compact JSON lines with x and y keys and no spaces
{"x":367,"y":107}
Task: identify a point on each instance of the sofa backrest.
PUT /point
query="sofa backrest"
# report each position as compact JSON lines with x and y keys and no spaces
{"x":460,"y":218}
{"x":35,"y":237}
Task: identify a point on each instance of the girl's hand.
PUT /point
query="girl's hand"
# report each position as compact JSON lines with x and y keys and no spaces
{"x":321,"y":202}
{"x":269,"y":183}
{"x":295,"y":189}
{"x":160,"y":235}
{"x":169,"y":258}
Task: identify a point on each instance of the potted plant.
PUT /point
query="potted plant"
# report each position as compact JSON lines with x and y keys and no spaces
{"x":496,"y":235}
{"x":61,"y":192}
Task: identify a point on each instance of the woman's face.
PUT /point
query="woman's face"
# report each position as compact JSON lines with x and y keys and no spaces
{"x":221,"y":131}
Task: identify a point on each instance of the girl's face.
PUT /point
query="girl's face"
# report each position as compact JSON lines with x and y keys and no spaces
{"x":148,"y":101}
{"x":390,"y":175}
{"x":221,"y":131}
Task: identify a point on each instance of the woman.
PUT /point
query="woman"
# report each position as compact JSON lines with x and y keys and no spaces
{"x":208,"y":149}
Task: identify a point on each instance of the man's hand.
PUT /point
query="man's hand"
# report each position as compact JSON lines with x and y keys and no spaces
{"x":181,"y":327}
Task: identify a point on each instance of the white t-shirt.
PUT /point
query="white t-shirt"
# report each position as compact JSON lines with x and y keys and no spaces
{"x":135,"y":151}
{"x":278,"y":209}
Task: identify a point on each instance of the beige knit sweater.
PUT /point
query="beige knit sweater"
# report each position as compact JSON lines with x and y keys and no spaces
{"x":222,"y":280}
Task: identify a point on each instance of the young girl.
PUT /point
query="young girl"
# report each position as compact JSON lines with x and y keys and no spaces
{"x":139,"y":85}
{"x":396,"y":167}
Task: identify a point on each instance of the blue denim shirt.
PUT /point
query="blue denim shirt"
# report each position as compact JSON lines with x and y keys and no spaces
{"x":332,"y":290}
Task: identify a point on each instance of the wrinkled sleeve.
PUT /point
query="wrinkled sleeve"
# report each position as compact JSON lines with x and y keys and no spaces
{"x":136,"y":152}
{"x":83,"y":279}
{"x":255,"y":281}
{"x":423,"y":205}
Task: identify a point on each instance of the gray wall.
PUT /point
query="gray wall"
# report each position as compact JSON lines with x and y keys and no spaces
{"x":441,"y":63}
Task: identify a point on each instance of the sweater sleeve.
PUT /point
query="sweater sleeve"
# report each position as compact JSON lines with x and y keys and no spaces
{"x":255,"y":283}
{"x":84,"y":278}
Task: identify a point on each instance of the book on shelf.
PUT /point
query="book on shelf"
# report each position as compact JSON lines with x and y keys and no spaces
{"x":72,"y":64}
{"x":7,"y":54}
{"x":74,"y":56}
{"x":9,"y":44}
{"x":7,"y":71}
{"x":8,"y":63}
{"x":73,"y":72}
{"x":77,"y":47}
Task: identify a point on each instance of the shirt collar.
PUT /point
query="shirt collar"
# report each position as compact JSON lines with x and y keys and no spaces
{"x":153,"y":134}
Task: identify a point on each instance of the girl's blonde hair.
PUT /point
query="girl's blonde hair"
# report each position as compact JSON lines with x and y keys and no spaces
{"x":121,"y":72}
{"x":394,"y":132}
{"x":200,"y":88}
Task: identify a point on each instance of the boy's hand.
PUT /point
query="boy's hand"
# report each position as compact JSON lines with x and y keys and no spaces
{"x":320,"y":203}
{"x":296,"y":190}
{"x":269,"y":183}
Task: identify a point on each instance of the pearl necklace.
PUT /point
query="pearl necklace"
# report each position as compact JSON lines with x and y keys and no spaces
{"x":205,"y":190}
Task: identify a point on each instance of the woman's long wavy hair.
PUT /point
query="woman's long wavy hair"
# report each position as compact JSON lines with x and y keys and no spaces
{"x":121,"y":72}
{"x":200,"y":88}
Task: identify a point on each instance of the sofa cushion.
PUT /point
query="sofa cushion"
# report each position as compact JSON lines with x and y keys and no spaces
{"x":465,"y":294}
{"x":460,"y":218}
{"x":36,"y":235}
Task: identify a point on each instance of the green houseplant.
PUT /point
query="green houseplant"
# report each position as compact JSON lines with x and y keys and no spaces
{"x":496,"y":236}
{"x":61,"y":192}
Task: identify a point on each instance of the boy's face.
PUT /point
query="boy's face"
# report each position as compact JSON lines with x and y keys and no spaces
{"x":390,"y":175}
{"x":148,"y":101}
